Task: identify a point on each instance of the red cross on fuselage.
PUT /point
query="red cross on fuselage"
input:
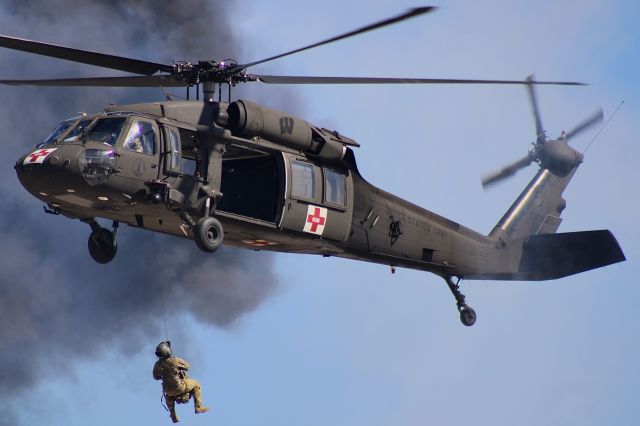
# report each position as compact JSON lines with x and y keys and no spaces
{"x":315,"y":219}
{"x":34,"y":156}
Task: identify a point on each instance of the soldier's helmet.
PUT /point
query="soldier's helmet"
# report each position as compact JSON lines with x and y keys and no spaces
{"x":163,"y":350}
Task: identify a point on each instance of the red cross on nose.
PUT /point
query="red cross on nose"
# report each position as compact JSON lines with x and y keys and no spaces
{"x":34,"y":156}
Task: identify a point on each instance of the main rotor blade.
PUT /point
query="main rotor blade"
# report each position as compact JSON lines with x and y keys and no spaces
{"x":292,"y":79}
{"x":540,"y":136}
{"x":596,"y":118}
{"x":133,"y":81}
{"x":104,"y":60}
{"x":506,"y":171}
{"x":409,"y":14}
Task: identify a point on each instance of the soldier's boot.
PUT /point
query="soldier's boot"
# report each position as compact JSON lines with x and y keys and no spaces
{"x":174,"y":416}
{"x":197,"y":400}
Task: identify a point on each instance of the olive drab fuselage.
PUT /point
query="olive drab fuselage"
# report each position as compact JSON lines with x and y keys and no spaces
{"x":147,"y":166}
{"x":255,"y":178}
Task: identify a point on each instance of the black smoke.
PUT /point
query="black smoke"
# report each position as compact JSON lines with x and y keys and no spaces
{"x":55,"y":302}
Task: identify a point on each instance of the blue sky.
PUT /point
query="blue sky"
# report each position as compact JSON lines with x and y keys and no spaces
{"x":348,"y":343}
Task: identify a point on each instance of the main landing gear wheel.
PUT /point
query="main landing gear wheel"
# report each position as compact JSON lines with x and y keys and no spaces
{"x":208,"y":234}
{"x":102,"y":242}
{"x":467,"y":314}
{"x":102,"y":246}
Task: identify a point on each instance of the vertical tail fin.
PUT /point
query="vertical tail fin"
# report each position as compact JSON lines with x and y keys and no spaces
{"x":537,"y":210}
{"x":527,"y":233}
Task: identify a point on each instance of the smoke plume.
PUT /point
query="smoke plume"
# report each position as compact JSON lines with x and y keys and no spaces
{"x":55,"y":302}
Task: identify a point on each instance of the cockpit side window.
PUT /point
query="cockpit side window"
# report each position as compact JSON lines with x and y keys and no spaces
{"x":106,"y":130}
{"x":141,"y":138}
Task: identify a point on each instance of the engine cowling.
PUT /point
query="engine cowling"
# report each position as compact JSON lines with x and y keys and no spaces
{"x":250,"y":119}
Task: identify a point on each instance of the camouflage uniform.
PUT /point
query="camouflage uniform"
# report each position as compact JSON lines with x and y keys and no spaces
{"x":177,"y":387}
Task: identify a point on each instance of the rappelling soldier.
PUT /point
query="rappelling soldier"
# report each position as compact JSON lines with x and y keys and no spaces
{"x":176,"y":386}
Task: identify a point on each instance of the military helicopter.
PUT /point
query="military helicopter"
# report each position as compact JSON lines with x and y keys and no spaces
{"x":242,"y":174}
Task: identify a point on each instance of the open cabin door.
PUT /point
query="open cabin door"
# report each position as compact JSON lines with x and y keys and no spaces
{"x":319,"y":199}
{"x":252,"y":185}
{"x":252,"y":182}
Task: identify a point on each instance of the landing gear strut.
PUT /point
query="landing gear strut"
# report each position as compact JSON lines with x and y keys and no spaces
{"x":102,"y":242}
{"x":467,"y":314}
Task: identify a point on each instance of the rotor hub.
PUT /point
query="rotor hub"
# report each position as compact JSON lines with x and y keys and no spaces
{"x":218,"y":72}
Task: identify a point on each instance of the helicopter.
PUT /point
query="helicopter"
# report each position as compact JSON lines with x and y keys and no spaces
{"x":248,"y":176}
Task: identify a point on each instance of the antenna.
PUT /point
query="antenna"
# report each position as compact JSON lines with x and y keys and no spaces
{"x":603,"y":126}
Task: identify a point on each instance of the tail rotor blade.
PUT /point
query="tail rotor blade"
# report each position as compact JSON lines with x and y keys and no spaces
{"x":506,"y":171}
{"x":595,"y":118}
{"x":540,"y":137}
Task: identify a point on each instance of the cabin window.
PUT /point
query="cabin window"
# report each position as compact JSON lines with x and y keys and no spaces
{"x":189,"y":166}
{"x":303,"y":181}
{"x":141,"y":138}
{"x":335,"y":187}
{"x":190,"y":156}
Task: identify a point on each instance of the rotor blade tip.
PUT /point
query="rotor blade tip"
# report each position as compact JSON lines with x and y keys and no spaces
{"x":486,"y":183}
{"x":422,"y":9}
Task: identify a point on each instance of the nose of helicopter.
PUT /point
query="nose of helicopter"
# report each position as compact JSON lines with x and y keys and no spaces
{"x":56,"y":173}
{"x":43,"y":171}
{"x":31,"y":169}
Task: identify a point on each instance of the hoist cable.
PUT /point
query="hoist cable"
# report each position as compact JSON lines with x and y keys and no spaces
{"x":162,"y":295}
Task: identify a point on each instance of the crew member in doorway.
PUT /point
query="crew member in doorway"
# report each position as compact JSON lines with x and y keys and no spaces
{"x":176,"y":386}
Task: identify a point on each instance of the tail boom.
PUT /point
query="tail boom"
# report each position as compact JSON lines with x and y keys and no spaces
{"x":526,"y":246}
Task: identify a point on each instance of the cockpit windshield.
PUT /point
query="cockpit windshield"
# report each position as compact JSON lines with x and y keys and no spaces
{"x":73,"y":134}
{"x":106,"y":130}
{"x":67,"y":131}
{"x":60,"y":128}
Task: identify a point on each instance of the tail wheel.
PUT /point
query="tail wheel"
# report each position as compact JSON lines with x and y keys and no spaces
{"x":208,"y":234}
{"x":102,"y":247}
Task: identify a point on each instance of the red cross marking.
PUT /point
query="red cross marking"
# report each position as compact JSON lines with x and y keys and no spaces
{"x":315,"y":219}
{"x":34,"y":156}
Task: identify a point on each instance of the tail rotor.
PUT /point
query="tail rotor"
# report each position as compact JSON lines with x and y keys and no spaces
{"x":553,"y":154}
